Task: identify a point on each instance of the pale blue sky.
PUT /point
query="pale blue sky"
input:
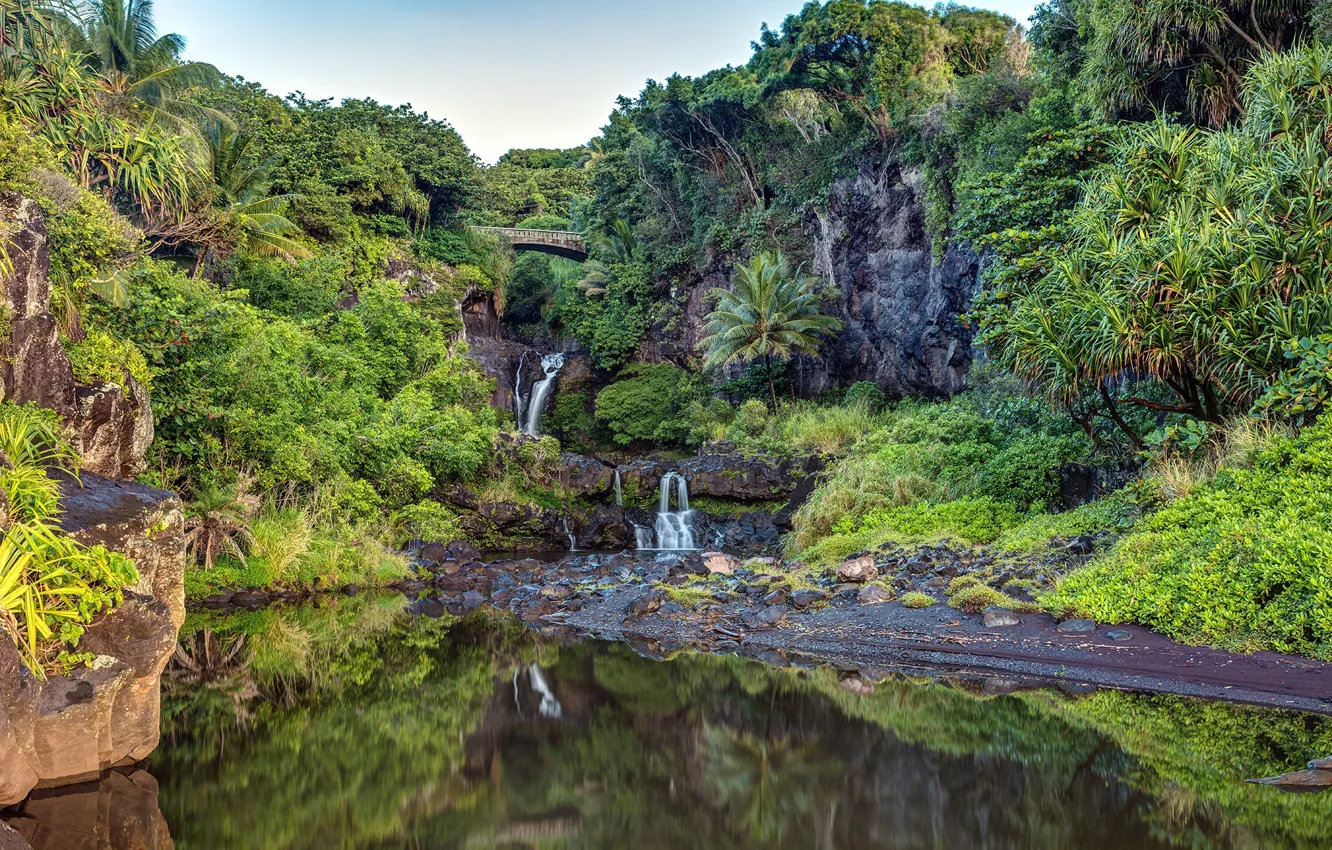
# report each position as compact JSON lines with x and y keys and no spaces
{"x":521,"y":73}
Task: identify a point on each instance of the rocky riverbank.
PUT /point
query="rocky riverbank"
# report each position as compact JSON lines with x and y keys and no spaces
{"x":853,"y":619}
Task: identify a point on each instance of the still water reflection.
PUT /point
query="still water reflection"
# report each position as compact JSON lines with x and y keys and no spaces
{"x":356,"y":726}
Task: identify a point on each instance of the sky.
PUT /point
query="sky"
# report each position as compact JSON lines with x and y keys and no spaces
{"x":506,"y":73}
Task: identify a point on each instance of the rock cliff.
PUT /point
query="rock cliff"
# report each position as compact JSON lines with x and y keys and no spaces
{"x":112,"y":432}
{"x":901,"y":309}
{"x":72,"y":728}
{"x":69,"y":729}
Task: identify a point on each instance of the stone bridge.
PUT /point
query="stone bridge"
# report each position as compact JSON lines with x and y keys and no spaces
{"x":561,"y":243}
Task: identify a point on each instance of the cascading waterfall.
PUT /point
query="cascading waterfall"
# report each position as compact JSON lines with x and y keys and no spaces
{"x":619,"y":490}
{"x":675,"y":530}
{"x":518,"y":388}
{"x":551,"y":365}
{"x":643,"y":536}
{"x":573,"y":541}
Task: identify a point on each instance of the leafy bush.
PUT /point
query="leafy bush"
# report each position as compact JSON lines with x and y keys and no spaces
{"x":429,"y":521}
{"x":1243,"y":561}
{"x":865,"y":393}
{"x":50,"y":586}
{"x":916,"y":599}
{"x":101,"y":357}
{"x":938,"y":470}
{"x":647,"y":404}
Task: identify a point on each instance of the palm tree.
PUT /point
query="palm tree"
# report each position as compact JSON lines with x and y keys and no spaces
{"x":241,"y":185}
{"x":771,"y":311}
{"x":616,"y":248}
{"x":121,"y":43}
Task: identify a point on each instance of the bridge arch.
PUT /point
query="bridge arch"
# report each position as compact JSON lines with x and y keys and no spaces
{"x":561,"y":243}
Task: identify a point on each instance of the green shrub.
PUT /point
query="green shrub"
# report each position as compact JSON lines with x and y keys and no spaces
{"x":1244,"y":561}
{"x":916,"y":599}
{"x":976,"y":598}
{"x":50,"y":586}
{"x":101,"y":357}
{"x":865,"y":393}
{"x":647,"y":404}
{"x":429,"y":521}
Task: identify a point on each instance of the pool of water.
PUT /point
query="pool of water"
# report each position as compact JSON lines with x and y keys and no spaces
{"x":353,"y":725}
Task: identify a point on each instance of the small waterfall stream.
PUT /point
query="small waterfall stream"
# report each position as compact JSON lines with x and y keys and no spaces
{"x":551,"y":365}
{"x":619,"y":489}
{"x":573,"y":541}
{"x":674,"y":531}
{"x":518,"y":388}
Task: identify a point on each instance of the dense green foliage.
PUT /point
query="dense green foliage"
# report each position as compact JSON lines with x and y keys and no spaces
{"x":971,"y":469}
{"x":50,"y":586}
{"x":1241,"y":562}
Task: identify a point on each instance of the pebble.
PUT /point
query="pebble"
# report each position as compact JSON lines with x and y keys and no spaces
{"x":1119,"y":635}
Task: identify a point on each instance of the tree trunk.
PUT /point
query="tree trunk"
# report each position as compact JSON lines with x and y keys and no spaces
{"x":772,"y":387}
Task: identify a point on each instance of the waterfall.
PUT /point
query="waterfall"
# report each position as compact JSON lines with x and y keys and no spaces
{"x":675,"y":530}
{"x":619,"y":489}
{"x":518,"y":389}
{"x":573,"y":542}
{"x":550,"y":706}
{"x":643,"y":536}
{"x":551,"y":365}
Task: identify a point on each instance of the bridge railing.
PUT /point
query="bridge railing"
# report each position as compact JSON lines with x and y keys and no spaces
{"x":527,"y":234}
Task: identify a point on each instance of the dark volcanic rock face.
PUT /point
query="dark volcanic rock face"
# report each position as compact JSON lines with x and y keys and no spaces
{"x":902,"y":310}
{"x":33,"y":365}
{"x":112,"y":429}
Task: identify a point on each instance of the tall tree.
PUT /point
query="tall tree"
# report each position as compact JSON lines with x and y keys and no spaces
{"x":242,"y":189}
{"x":121,"y":43}
{"x":770,"y":312}
{"x":1182,"y":55}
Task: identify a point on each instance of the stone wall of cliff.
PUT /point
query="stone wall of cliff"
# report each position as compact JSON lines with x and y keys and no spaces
{"x":902,"y":309}
{"x":72,"y":728}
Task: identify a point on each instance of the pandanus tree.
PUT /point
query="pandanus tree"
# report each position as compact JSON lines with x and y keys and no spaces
{"x":1193,"y":263}
{"x":120,"y":42}
{"x":1189,"y":55}
{"x":771,"y":312}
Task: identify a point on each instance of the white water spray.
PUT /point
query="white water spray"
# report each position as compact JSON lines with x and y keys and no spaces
{"x":619,"y":489}
{"x":518,"y":388}
{"x":675,"y":531}
{"x":550,"y":706}
{"x":573,"y":542}
{"x":551,"y":365}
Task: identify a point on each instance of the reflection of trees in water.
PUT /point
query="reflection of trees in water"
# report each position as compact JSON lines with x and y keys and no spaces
{"x":366,"y":729}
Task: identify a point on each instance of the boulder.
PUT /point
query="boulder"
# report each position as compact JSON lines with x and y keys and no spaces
{"x":586,"y":476}
{"x":858,"y":570}
{"x":11,"y":840}
{"x":33,"y":364}
{"x":115,"y":427}
{"x":1077,"y":627}
{"x":142,"y":523}
{"x":120,"y":810}
{"x":805,"y":598}
{"x":719,"y":563}
{"x":112,"y":426}
{"x":874,"y":594}
{"x":762,"y":478}
{"x":1000,"y":618}
{"x":71,"y":728}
